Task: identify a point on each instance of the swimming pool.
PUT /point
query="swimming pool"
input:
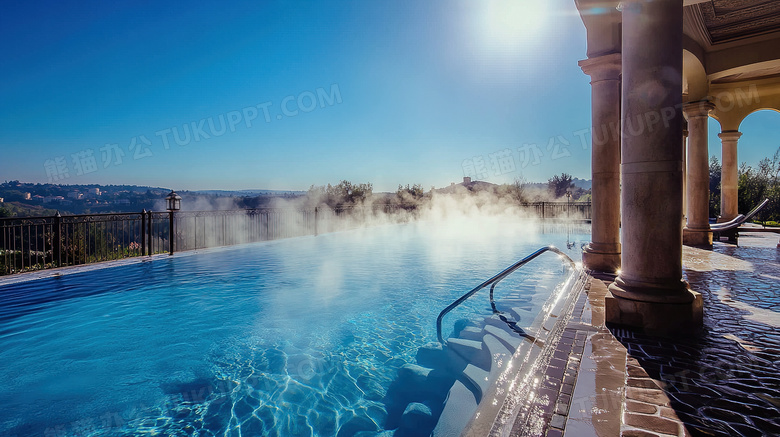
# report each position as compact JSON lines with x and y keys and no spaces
{"x":291,"y":337}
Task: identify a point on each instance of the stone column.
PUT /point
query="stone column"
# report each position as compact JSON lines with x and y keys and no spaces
{"x":729,"y":178}
{"x":697,"y":232}
{"x":603,"y":253}
{"x":649,"y":293}
{"x":685,"y":173}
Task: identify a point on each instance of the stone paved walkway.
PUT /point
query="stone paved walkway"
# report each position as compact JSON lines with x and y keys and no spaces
{"x":724,"y":380}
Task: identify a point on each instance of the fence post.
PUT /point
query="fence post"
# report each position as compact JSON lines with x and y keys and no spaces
{"x":171,"y":234}
{"x":143,"y":232}
{"x":57,"y":248}
{"x":316,"y":217}
{"x":543,"y":208}
{"x":149,"y":234}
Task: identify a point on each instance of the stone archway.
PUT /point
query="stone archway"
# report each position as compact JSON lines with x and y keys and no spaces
{"x":733,"y":105}
{"x":703,"y":58}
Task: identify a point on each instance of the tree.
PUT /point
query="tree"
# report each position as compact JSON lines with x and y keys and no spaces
{"x":415,"y":191}
{"x":757,"y":184}
{"x":715,"y":175}
{"x":409,"y":196}
{"x":344,"y":194}
{"x":348,"y":193}
{"x":560,"y":184}
{"x":754,"y":185}
{"x":516,"y":191}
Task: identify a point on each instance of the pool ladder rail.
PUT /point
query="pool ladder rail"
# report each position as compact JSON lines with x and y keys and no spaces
{"x":493,"y":282}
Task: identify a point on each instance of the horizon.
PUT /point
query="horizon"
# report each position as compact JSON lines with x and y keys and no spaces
{"x":229,"y":96}
{"x":529,"y":183}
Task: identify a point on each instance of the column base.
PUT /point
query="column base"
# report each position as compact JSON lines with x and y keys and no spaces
{"x":655,"y":318}
{"x":697,"y":237}
{"x":601,"y":261}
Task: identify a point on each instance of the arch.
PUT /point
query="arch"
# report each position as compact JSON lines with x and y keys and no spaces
{"x":713,"y":117}
{"x":759,"y":132}
{"x":717,"y":117}
{"x":770,"y":109}
{"x":735,"y":101}
{"x":695,"y":83}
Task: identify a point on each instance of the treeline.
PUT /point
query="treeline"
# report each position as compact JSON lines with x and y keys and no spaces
{"x":755,"y":185}
{"x":349,"y":194}
{"x":344,"y":194}
{"x":14,"y":209}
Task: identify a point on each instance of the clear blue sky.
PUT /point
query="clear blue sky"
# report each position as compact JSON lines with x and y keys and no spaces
{"x":283,"y":95}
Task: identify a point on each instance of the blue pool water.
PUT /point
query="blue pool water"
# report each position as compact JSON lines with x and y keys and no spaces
{"x":292,"y":337}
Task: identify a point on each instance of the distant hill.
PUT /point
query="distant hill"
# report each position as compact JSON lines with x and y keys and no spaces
{"x":19,"y":209}
{"x":249,"y":193}
{"x":468,"y":184}
{"x":19,"y":199}
{"x":585,"y":184}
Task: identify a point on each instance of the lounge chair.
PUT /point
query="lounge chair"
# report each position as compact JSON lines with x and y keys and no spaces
{"x":729,"y":228}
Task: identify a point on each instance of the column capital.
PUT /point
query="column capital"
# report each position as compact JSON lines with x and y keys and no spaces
{"x":605,"y":67}
{"x":699,"y":108}
{"x":729,"y":135}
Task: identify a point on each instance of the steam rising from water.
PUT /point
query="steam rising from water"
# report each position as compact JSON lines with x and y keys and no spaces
{"x":460,"y":214}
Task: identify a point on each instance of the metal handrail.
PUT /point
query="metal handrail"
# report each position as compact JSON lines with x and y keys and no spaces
{"x":495,"y":280}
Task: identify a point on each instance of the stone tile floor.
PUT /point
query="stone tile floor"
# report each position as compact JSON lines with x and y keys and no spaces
{"x":547,"y":409}
{"x":725,"y":379}
{"x":580,"y":376}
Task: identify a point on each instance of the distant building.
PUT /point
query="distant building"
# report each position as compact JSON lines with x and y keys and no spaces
{"x":1,"y":200}
{"x":26,"y":196}
{"x":53,"y":199}
{"x":75,"y":195}
{"x":92,"y":193}
{"x":467,"y":184}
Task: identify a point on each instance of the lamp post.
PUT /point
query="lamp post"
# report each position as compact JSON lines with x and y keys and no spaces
{"x":568,"y":203}
{"x":173,"y":204}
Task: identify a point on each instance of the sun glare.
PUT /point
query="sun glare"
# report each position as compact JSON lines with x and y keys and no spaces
{"x":513,"y":23}
{"x":506,"y":34}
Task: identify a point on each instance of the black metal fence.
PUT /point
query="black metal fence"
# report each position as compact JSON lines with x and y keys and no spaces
{"x":36,"y":243}
{"x":568,"y":210}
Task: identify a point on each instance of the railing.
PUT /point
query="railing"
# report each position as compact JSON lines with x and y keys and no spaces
{"x":546,"y":210}
{"x":202,"y":229}
{"x":494,"y":281}
{"x":37,"y":243}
